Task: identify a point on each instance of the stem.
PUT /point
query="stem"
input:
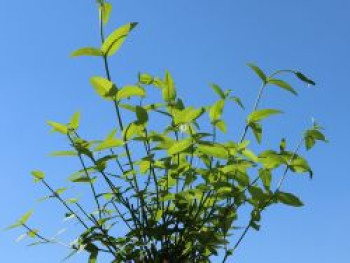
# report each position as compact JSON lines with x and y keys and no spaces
{"x":279,"y":185}
{"x":65,"y":204}
{"x":255,"y":107}
{"x":88,"y":176}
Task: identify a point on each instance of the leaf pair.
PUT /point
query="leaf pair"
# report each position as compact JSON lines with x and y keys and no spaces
{"x":110,"y":46}
{"x":108,"y":90}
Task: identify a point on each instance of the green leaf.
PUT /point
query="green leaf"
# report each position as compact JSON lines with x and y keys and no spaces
{"x":108,"y":144}
{"x":105,"y":88}
{"x":259,"y":115}
{"x":58,"y":127}
{"x":257,"y":130}
{"x":215,"y":111}
{"x":25,"y":217}
{"x":311,"y":136}
{"x":250,"y":155}
{"x":180,"y":146}
{"x":187,"y":115}
{"x":218,"y":91}
{"x":63,"y":153}
{"x":221,"y":125}
{"x":283,"y":145}
{"x":258,"y":71}
{"x":159,"y":215}
{"x":300,"y":165}
{"x":13,"y":226}
{"x":141,"y":114}
{"x":129,"y":91}
{"x":271,"y":159}
{"x":20,"y":222}
{"x":81,"y":179}
{"x":38,"y":175}
{"x":265,"y":177}
{"x":133,"y":129}
{"x":112,"y":134}
{"x":169,"y":91}
{"x":282,"y":84}
{"x":74,"y":122}
{"x":106,"y":9}
{"x":145,"y":79}
{"x":238,"y":101}
{"x":87,"y":51}
{"x":115,"y":40}
{"x":303,"y":78}
{"x":93,"y":249}
{"x":289,"y":199}
{"x":214,"y":150}
{"x":33,"y":233}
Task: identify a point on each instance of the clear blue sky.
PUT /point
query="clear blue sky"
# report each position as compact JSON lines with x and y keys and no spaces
{"x":199,"y":42}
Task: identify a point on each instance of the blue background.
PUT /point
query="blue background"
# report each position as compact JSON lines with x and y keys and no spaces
{"x":199,"y":42}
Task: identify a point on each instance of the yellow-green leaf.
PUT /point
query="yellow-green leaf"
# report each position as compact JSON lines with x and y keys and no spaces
{"x":215,"y":111}
{"x":115,"y":40}
{"x":38,"y":175}
{"x":63,"y":153}
{"x":74,"y":122}
{"x":282,"y":84}
{"x":169,"y":91}
{"x":259,"y":115}
{"x":105,"y":88}
{"x":129,"y":91}
{"x":180,"y":146}
{"x":145,"y":79}
{"x":214,"y":150}
{"x":221,"y":125}
{"x":258,"y":71}
{"x":108,"y":144}
{"x":289,"y":199}
{"x":25,"y":217}
{"x":87,"y":51}
{"x":106,"y":9}
{"x":132,"y":130}
{"x":58,"y":127}
{"x":218,"y":91}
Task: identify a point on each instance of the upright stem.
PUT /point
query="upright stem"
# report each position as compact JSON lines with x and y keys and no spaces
{"x":255,"y":107}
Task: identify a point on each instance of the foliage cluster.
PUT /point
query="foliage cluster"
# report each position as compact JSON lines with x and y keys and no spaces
{"x":177,"y":188}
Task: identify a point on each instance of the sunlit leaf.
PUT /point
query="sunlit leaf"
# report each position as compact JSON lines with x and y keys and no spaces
{"x":130,"y":91}
{"x":215,"y":111}
{"x":289,"y":199}
{"x":218,"y":90}
{"x":257,"y":130}
{"x":221,"y":125}
{"x":108,"y":144}
{"x":115,"y":40}
{"x":145,"y":79}
{"x":58,"y":127}
{"x":105,"y":88}
{"x":214,"y":150}
{"x":63,"y":153}
{"x":180,"y":146}
{"x":106,"y":9}
{"x":258,"y":71}
{"x":266,"y":177}
{"x":282,"y":84}
{"x":87,"y":51}
{"x":169,"y":91}
{"x":259,"y":115}
{"x":74,"y":122}
{"x":38,"y":175}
